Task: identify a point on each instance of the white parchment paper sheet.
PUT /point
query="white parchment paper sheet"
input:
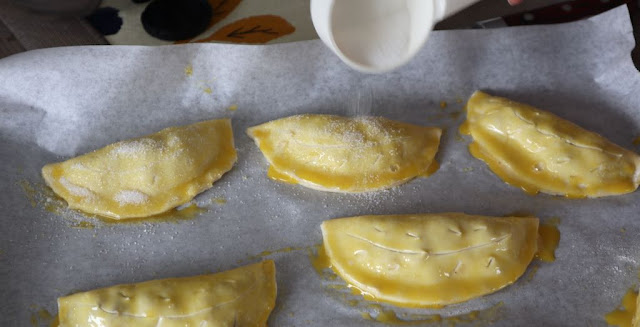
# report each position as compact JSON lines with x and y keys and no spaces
{"x":59,"y":103}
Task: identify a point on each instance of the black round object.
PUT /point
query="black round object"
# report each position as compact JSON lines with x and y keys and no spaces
{"x":106,"y":20}
{"x":174,"y":20}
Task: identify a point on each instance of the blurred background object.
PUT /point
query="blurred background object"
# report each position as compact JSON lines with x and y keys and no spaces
{"x":34,"y":24}
{"x":61,"y":7}
{"x":23,"y":28}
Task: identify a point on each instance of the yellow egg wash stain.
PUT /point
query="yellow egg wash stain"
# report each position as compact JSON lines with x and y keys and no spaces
{"x":533,"y":269}
{"x":40,"y":194}
{"x":340,"y":292}
{"x":549,"y":238}
{"x":366,"y":316}
{"x":320,"y":260}
{"x":55,"y":207}
{"x":445,"y":113}
{"x":431,"y":170}
{"x":280,"y":177}
{"x":207,"y":90}
{"x":322,"y":265}
{"x":83,"y":225}
{"x":219,"y":201}
{"x":369,"y":297}
{"x":389,"y":316}
{"x":233,"y":107}
{"x":52,"y":202}
{"x":43,"y":317}
{"x":623,"y":315}
{"x":188,"y":71}
{"x":336,"y":290}
{"x":365,"y":295}
{"x":464,"y":128}
{"x":30,"y":191}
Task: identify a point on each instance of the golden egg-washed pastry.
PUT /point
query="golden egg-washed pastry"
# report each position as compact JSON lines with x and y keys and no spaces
{"x":429,"y":260}
{"x":541,"y":152}
{"x":148,"y":175}
{"x":340,"y":154}
{"x":241,"y":297}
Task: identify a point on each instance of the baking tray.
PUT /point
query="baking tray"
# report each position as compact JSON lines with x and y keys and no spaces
{"x":62,"y":102}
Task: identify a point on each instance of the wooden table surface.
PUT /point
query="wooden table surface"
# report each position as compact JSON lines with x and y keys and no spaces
{"x":22,"y":29}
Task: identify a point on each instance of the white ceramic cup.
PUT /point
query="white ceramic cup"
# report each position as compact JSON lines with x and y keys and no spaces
{"x":375,"y":36}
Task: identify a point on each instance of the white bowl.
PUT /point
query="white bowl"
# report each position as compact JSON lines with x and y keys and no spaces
{"x":375,"y":36}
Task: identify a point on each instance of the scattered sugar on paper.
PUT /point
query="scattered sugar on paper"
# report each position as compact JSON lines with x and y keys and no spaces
{"x":75,"y":189}
{"x":131,"y":197}
{"x":379,"y":197}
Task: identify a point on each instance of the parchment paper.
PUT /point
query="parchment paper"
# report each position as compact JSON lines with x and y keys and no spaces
{"x":62,"y":102}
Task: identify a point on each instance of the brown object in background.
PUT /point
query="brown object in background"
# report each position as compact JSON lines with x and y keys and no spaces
{"x":254,"y":30}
